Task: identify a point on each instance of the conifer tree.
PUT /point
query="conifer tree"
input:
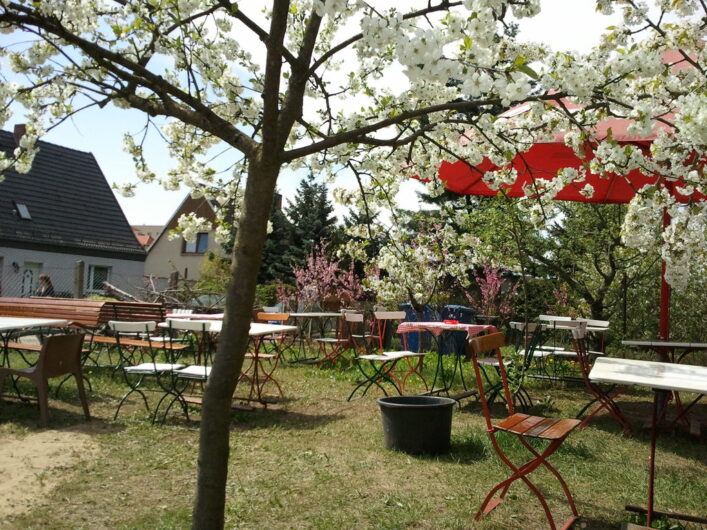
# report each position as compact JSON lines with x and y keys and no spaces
{"x":311,"y":219}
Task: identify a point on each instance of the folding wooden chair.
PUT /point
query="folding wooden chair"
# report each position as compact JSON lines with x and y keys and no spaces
{"x":523,"y":426}
{"x":279,"y":343}
{"x":332,"y":349}
{"x":135,"y":375}
{"x":604,"y":399}
{"x":364,"y":340}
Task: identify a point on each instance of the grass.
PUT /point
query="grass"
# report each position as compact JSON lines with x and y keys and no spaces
{"x":315,"y":460}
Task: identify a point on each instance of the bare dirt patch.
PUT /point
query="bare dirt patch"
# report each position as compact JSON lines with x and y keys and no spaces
{"x":32,"y":466}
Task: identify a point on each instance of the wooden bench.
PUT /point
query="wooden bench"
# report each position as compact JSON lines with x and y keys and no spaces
{"x":90,"y":315}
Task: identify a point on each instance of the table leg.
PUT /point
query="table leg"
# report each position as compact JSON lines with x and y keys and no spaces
{"x":659,"y":399}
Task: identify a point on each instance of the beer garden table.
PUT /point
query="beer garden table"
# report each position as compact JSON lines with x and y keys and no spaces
{"x":305,"y":321}
{"x":8,"y":325}
{"x":663,"y":378}
{"x":437,"y":329}
{"x":257,"y":331}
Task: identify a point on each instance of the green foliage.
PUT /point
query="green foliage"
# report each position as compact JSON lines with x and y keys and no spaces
{"x":266,"y":294}
{"x":311,"y":219}
{"x":214,"y":274}
{"x":277,"y":249}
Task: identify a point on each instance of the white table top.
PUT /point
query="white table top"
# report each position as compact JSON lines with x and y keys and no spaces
{"x":664,"y":344}
{"x":11,"y":323}
{"x":664,"y":376}
{"x":315,"y":315}
{"x":195,"y":316}
{"x":256,"y":329}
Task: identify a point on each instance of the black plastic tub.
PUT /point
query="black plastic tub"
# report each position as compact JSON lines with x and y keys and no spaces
{"x":417,"y":424}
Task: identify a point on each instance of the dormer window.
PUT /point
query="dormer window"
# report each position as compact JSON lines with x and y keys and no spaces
{"x":22,"y":211}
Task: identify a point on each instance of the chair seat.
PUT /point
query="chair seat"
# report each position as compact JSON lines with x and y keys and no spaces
{"x":537,"y":426}
{"x":570,"y":354}
{"x":152,"y":368}
{"x":266,"y":356}
{"x":194,"y":372}
{"x":491,"y":361}
{"x":331,"y":340}
{"x":390,"y":355}
{"x":404,"y":353}
{"x":538,"y":354}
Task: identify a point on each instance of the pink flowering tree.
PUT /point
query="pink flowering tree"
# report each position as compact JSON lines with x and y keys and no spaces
{"x":322,"y":278}
{"x":495,"y":294}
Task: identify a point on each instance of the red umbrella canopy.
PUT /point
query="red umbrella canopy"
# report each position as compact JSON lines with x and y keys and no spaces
{"x":544,"y":159}
{"x":542,"y":162}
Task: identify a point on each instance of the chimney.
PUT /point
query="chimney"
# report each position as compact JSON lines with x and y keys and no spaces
{"x":20,"y":130}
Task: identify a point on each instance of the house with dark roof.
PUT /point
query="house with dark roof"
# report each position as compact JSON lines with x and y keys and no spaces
{"x":63,"y":220}
{"x":169,"y":258}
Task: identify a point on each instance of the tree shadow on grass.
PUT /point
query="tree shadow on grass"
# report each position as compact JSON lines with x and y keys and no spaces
{"x":282,"y":419}
{"x":670,"y":437}
{"x":589,"y":523}
{"x":25,"y":413}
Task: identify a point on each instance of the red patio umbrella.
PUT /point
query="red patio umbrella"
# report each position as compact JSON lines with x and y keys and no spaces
{"x":544,"y":159}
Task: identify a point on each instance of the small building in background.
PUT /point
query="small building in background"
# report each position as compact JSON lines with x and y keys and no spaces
{"x":62,"y":219}
{"x":172,"y":259}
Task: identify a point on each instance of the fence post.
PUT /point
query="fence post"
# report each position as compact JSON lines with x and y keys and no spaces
{"x":79,"y":279}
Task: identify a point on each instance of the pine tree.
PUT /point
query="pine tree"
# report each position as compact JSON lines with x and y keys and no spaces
{"x":276,"y":263}
{"x":311,"y":219}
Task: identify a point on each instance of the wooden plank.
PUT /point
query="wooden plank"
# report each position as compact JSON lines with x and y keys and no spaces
{"x":510,"y":421}
{"x":560,"y":429}
{"x":540,"y":427}
{"x":24,"y":346}
{"x":522,"y":426}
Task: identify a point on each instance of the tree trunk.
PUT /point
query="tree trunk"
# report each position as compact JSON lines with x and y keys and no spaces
{"x":597,"y":308}
{"x":214,"y":435}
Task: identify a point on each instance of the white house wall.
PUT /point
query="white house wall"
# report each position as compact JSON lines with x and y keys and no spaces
{"x":166,"y":256}
{"x":125,"y":274}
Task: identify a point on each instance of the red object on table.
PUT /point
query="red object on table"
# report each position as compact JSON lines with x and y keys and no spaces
{"x":451,"y":321}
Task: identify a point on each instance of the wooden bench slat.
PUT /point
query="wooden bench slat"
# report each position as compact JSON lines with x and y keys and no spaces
{"x":88,"y":313}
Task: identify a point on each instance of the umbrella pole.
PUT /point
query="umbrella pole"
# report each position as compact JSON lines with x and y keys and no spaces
{"x":664,"y":329}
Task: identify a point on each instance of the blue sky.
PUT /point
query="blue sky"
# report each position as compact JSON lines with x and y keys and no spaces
{"x":563,"y":25}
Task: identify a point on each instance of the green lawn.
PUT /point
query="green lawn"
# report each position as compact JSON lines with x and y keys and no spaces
{"x":314,"y":460}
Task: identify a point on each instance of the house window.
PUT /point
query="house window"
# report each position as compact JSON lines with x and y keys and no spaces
{"x":97,"y":274}
{"x":199,"y":245}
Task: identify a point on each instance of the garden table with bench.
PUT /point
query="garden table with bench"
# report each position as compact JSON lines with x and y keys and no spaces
{"x":11,"y":325}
